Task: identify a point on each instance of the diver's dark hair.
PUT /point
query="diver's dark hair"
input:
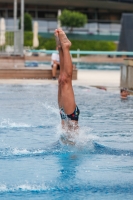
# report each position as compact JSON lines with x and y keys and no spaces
{"x":123,"y":89}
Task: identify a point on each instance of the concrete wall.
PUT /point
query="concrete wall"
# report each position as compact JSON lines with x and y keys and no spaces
{"x":130,"y":77}
{"x":30,"y":73}
{"x":127,"y":75}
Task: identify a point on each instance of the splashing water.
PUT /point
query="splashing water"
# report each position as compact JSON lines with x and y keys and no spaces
{"x":8,"y":123}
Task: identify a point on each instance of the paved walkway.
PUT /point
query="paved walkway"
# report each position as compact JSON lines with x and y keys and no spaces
{"x":102,"y":59}
{"x":108,"y":79}
{"x":90,"y":59}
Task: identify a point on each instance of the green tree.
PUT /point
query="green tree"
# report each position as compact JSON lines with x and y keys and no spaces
{"x":72,"y":19}
{"x":27,"y":22}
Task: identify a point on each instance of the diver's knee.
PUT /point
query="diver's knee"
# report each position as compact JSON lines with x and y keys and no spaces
{"x":64,"y":79}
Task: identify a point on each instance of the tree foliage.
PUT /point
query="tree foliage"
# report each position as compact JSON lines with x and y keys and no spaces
{"x":27,"y":22}
{"x":72,"y":19}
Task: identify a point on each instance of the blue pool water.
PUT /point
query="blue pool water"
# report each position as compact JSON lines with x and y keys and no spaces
{"x":34,"y":164}
{"x":98,"y":66}
{"x":80,"y":65}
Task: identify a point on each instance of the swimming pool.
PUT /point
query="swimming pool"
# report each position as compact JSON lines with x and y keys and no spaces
{"x":80,"y":65}
{"x":34,"y":164}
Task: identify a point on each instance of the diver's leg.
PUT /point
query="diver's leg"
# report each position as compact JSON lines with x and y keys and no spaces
{"x":65,"y":80}
{"x":58,"y":45}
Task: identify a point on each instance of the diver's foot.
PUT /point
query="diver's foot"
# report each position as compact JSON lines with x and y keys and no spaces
{"x":65,"y":43}
{"x":58,"y":43}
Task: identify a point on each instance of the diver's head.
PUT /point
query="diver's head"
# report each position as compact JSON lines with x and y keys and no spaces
{"x":124,"y":93}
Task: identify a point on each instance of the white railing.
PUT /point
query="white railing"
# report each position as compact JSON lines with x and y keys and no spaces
{"x":78,"y":52}
{"x":7,"y":46}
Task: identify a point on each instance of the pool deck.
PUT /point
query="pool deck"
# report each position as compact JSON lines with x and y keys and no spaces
{"x":88,"y":59}
{"x":102,"y":59}
{"x":108,"y":78}
{"x":86,"y":78}
{"x":15,"y":61}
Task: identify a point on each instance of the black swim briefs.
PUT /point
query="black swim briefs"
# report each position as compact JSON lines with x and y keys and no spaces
{"x":74,"y":116}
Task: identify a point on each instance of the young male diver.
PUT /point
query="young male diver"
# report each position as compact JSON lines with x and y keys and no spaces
{"x":69,"y":110}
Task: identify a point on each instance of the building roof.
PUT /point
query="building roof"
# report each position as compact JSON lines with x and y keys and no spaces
{"x":102,"y":4}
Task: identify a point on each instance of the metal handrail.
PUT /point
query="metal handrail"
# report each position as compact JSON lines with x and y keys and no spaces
{"x":78,"y":52}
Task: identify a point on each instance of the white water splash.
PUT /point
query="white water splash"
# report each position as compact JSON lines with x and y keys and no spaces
{"x":23,"y":187}
{"x":29,"y":187}
{"x":7,"y":123}
{"x":50,"y":108}
{"x":81,"y":139}
{"x":3,"y":188}
{"x":20,"y":151}
{"x":17,"y":151}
